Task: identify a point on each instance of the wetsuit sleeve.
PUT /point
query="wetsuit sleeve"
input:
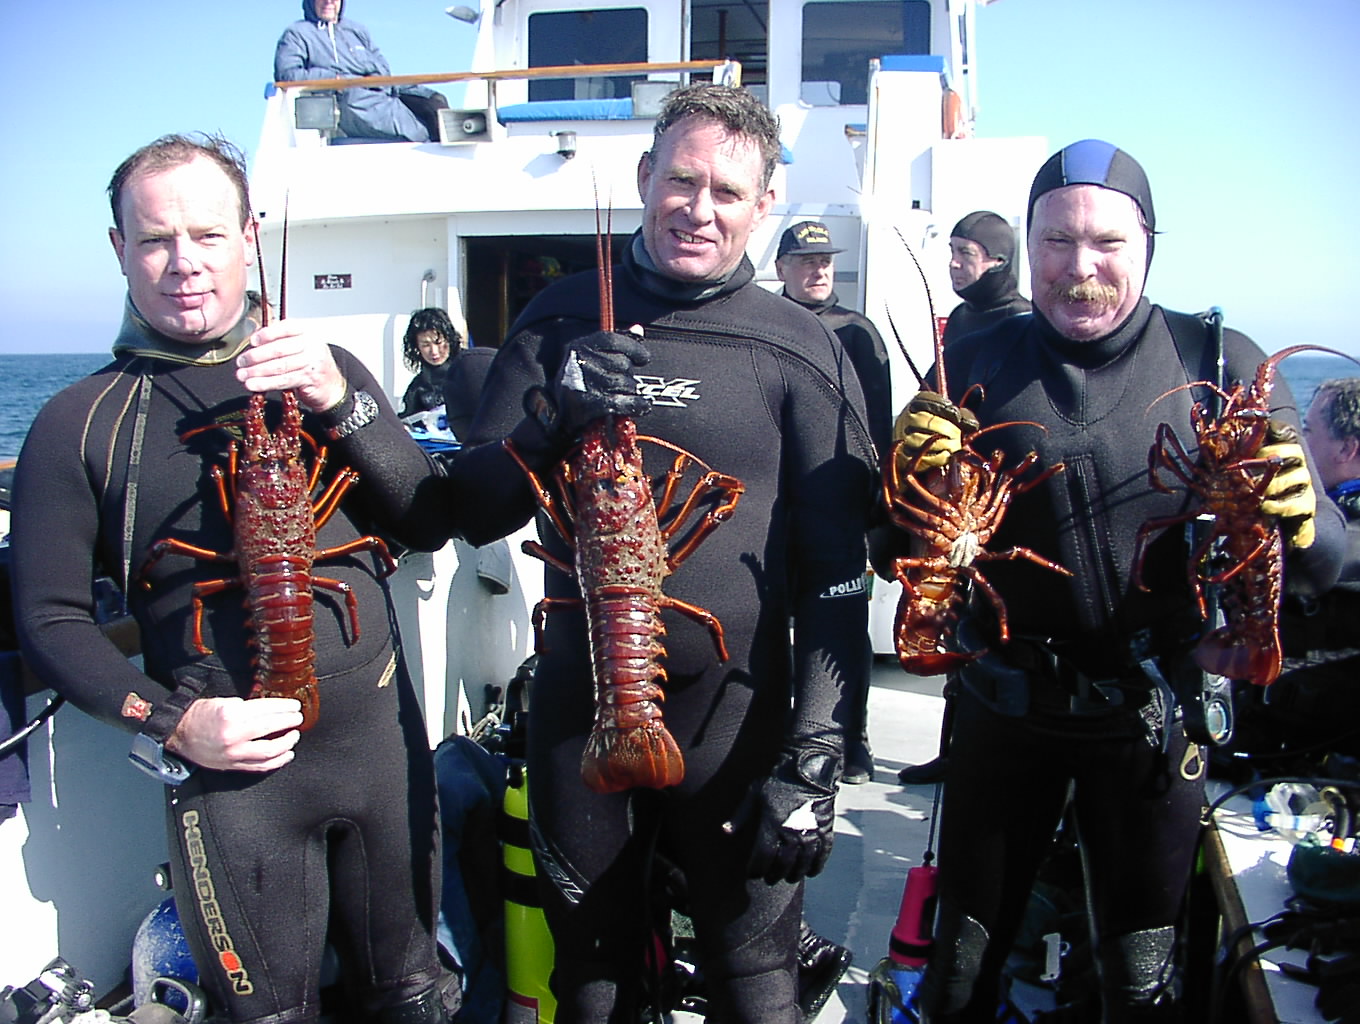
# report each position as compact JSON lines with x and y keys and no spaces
{"x":393,"y":468}
{"x":828,"y":483}
{"x":483,"y":493}
{"x":1315,"y":569}
{"x":55,"y":535}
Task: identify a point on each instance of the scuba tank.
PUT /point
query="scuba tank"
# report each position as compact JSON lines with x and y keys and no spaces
{"x":160,"y":950}
{"x":893,"y":982}
{"x":528,"y":944}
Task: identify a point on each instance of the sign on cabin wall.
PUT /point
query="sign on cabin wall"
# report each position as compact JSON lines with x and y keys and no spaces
{"x":330,"y":282}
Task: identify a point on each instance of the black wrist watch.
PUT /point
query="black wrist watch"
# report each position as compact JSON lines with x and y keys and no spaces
{"x":365,"y":411}
{"x":150,"y":756}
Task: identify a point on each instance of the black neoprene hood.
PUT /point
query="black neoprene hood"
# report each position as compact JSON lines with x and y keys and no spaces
{"x":1093,"y":162}
{"x":988,"y":230}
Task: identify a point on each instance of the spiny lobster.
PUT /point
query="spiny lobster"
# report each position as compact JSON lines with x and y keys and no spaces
{"x":1242,"y":551}
{"x":953,"y":510}
{"x":265,"y":493}
{"x":607,"y":511}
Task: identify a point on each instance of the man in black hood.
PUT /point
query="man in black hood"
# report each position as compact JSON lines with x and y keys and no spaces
{"x":982,"y":271}
{"x":1093,"y":699}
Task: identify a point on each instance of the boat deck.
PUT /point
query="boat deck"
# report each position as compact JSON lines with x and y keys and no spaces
{"x":881,"y":831}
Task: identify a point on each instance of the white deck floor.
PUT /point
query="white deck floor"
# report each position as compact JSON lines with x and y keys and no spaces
{"x":881,"y":831}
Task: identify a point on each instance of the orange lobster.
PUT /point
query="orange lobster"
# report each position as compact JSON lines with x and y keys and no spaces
{"x":1242,"y":552}
{"x":954,"y":509}
{"x":265,"y":493}
{"x":606,"y":511}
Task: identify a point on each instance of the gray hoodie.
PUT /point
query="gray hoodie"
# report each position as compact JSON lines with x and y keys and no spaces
{"x":311,"y":48}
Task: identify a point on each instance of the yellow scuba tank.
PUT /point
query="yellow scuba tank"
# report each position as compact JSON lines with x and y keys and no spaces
{"x":528,"y":944}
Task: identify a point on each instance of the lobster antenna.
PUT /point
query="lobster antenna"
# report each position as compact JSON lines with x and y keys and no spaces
{"x":264,"y":286}
{"x":934,"y":324}
{"x":283,"y":263}
{"x":604,"y":256}
{"x":911,"y":363}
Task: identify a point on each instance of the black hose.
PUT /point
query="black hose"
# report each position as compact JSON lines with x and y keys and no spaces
{"x":22,"y":734}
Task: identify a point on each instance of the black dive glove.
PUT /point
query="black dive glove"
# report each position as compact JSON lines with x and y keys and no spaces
{"x":796,"y":808}
{"x":594,"y":380}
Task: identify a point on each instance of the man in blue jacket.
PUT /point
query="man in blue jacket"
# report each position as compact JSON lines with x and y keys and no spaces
{"x":326,"y":44}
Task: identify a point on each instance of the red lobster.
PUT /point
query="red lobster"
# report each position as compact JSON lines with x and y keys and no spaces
{"x":953,"y":510}
{"x":274,"y":524}
{"x":1230,"y":478}
{"x":621,"y":532}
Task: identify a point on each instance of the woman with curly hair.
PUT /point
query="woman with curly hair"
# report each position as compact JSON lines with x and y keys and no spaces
{"x":430,"y":347}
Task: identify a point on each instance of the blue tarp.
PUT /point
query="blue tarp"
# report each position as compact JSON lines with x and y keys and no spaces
{"x":567,"y":110}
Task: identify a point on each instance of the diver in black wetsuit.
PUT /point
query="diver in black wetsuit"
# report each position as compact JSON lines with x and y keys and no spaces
{"x":275,"y":836}
{"x":757,"y":388}
{"x":1074,"y":698}
{"x":983,"y":272}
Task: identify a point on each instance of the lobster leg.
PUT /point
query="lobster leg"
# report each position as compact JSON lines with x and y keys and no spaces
{"x":702,"y":616}
{"x":326,"y":505}
{"x":1145,"y":532}
{"x":730,"y":487}
{"x":369,"y":543}
{"x":341,"y":587}
{"x":201,"y":590}
{"x":1168,"y":452}
{"x":545,"y":499}
{"x":171,"y":545}
{"x":533,"y":547}
{"x":1241,"y":564}
{"x":540,"y":616}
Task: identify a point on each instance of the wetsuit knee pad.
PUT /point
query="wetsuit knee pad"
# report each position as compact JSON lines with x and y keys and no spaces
{"x":1138,"y":971}
{"x":955,"y":965}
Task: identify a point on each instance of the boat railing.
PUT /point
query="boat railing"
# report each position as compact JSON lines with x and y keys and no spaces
{"x":727,"y":72}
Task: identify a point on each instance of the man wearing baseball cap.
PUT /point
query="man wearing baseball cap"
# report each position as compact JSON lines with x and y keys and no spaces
{"x":1082,"y":699}
{"x":806,"y":263}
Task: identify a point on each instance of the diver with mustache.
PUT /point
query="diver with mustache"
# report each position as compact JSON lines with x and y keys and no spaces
{"x":1076,"y":706}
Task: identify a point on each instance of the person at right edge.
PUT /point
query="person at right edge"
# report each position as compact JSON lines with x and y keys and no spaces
{"x":1078,"y":698}
{"x":771,"y":398}
{"x":983,"y":274}
{"x":1315,"y":704}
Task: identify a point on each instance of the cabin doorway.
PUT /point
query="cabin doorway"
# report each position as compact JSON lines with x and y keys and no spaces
{"x":505,"y":272}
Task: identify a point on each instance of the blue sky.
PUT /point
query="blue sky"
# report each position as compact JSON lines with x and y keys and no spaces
{"x":1242,"y":113}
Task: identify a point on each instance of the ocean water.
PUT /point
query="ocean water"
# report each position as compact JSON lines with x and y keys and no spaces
{"x":28,"y":381}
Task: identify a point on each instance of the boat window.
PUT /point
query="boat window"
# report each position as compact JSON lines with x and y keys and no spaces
{"x":723,"y":30}
{"x":840,"y":38}
{"x":615,"y":36}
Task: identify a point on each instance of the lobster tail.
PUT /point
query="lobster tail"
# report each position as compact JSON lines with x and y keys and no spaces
{"x":629,"y":744}
{"x":1256,"y":659}
{"x":644,"y":756}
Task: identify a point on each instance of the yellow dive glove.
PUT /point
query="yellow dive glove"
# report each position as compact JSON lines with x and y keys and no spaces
{"x":930,"y":425}
{"x":1290,"y":494}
